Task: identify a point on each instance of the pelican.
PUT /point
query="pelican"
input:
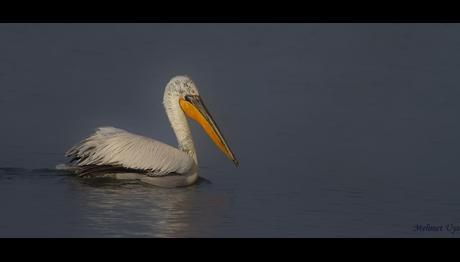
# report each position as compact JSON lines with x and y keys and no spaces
{"x":113,"y":152}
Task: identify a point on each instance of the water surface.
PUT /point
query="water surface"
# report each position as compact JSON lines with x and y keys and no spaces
{"x":341,"y":130}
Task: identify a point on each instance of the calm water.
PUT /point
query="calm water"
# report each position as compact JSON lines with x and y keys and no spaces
{"x":341,"y":130}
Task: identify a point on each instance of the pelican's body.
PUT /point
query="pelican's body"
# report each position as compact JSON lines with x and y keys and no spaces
{"x":117,"y":153}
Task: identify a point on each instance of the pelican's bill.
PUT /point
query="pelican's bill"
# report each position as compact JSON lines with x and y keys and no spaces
{"x":194,"y":108}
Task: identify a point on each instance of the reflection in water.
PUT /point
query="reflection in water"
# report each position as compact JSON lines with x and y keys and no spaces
{"x":120,"y":208}
{"x":44,"y":202}
{"x":47,"y":203}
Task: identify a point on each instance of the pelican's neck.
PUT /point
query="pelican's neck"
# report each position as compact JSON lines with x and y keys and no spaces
{"x":179,"y":123}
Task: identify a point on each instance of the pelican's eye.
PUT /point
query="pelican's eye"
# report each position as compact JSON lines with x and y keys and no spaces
{"x":187,"y":98}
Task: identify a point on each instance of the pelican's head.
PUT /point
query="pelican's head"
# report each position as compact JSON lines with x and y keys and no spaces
{"x":191,"y":103}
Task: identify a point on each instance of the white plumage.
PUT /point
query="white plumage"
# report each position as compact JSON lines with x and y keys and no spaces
{"x":117,"y":153}
{"x":117,"y":147}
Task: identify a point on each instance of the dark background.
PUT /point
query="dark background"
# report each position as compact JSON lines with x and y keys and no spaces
{"x":340,"y":129}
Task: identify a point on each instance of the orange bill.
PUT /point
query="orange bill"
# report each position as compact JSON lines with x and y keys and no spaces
{"x":194,"y":108}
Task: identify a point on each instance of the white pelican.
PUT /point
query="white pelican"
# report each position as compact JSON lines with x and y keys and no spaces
{"x":117,"y":153}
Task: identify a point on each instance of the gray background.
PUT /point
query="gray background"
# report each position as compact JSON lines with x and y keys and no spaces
{"x":340,"y":129}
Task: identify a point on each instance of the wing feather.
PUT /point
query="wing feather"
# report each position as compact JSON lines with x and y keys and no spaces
{"x":116,"y":147}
